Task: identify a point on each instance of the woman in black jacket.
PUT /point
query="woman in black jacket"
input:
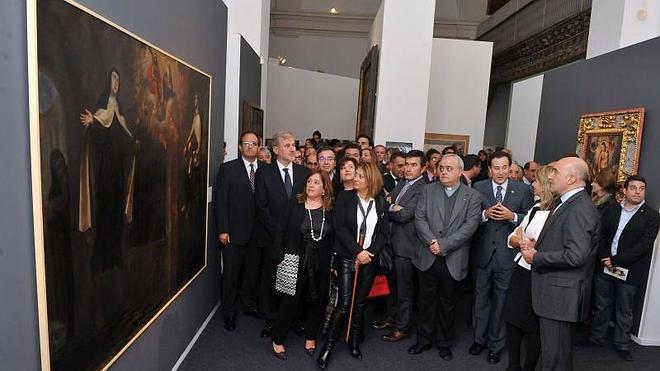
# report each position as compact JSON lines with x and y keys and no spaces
{"x":361,"y":230}
{"x":307,"y":234}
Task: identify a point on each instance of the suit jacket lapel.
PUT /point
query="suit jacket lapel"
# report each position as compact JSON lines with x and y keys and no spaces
{"x":489,"y":193}
{"x":278,"y":177}
{"x":551,"y":219}
{"x":509,"y":196}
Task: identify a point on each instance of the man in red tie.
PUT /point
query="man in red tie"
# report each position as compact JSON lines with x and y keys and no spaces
{"x":235,"y":213}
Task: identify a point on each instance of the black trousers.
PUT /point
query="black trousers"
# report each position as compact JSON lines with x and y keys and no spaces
{"x":437,"y":305}
{"x":339,"y":316}
{"x":240,"y":270}
{"x":515,"y":336}
{"x":290,"y":307}
{"x":268,"y":301}
{"x":405,"y":291}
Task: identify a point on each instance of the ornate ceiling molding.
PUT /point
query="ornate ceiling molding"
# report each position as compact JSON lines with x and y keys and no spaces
{"x":287,"y":23}
{"x":555,"y":46}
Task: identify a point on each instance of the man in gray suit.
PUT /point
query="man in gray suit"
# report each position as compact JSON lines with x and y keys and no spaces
{"x":505,"y":203}
{"x":404,"y":198}
{"x":563,"y":260}
{"x":446,"y":217}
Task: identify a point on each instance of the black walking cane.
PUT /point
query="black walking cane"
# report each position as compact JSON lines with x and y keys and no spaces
{"x":355,"y":277}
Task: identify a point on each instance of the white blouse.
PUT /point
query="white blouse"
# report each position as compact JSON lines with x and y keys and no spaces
{"x":531,"y":230}
{"x":372,"y":220}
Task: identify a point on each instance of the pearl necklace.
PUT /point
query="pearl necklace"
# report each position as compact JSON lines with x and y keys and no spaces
{"x":311,"y":225}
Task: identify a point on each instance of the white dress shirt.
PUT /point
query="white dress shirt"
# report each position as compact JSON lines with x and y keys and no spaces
{"x":247,"y":165}
{"x":626,"y":215}
{"x":504,"y":186}
{"x":372,"y":220}
{"x":566,"y":196}
{"x":531,"y":230}
{"x":282,"y":167}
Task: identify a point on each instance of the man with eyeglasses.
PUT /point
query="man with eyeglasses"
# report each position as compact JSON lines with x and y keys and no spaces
{"x":239,"y":235}
{"x":446,"y":217}
{"x":327,"y":163}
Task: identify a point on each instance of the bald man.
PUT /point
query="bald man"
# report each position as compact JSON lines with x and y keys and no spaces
{"x":563,"y":261}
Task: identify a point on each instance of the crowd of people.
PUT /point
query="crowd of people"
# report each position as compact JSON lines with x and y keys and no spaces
{"x":310,"y":234}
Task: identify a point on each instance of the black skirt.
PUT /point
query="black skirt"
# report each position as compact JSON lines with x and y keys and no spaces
{"x":518,"y":309}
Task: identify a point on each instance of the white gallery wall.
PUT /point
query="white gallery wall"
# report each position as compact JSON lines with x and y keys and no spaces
{"x":458,"y":89}
{"x":330,"y":54}
{"x":246,"y":18}
{"x":302,"y":101}
{"x":524,"y":118}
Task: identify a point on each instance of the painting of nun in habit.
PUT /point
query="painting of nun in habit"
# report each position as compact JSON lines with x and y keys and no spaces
{"x":107,"y":169}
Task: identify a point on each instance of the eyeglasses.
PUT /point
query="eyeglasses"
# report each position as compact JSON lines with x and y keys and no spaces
{"x":249,"y":144}
{"x":323,"y":159}
{"x":448,"y":169}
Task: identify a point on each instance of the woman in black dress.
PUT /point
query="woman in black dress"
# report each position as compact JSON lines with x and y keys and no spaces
{"x":361,"y":230}
{"x":346,"y":166}
{"x":308,"y":234}
{"x":521,"y":322}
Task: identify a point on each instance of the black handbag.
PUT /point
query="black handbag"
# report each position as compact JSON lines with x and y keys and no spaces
{"x":386,"y":259}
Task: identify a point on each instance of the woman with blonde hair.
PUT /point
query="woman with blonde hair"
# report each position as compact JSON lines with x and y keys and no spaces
{"x":361,"y":230}
{"x":521,"y":322}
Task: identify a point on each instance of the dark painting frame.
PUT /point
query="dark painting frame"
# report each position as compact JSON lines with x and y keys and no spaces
{"x":367,"y":94}
{"x":103,"y":98}
{"x":253,"y":119}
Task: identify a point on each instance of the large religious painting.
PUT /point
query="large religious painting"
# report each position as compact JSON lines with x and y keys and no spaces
{"x":367,"y":94}
{"x":611,"y":141}
{"x":119,"y":142}
{"x":459,"y":143}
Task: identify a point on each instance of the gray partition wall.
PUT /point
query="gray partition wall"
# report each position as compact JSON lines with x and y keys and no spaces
{"x":250,"y":79}
{"x":625,"y":78}
{"x":194,"y":30}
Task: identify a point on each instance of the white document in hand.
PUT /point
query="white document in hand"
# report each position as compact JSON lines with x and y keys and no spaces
{"x":616,"y":272}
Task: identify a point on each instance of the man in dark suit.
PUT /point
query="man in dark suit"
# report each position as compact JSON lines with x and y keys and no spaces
{"x":505,"y":203}
{"x":472,"y":169}
{"x":235,"y":214}
{"x":628,"y":231}
{"x":276,"y":184}
{"x":446,"y":217}
{"x":404,"y":199}
{"x":327,"y":162}
{"x":392,"y":177}
{"x":563,"y":260}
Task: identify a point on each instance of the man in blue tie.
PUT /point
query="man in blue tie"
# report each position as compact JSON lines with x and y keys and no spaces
{"x":275,"y":185}
{"x":504,"y":205}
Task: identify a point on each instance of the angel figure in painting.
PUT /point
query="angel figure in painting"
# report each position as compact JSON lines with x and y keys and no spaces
{"x":107,"y":168}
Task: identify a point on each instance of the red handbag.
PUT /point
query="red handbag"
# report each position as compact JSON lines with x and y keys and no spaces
{"x":379,"y":287}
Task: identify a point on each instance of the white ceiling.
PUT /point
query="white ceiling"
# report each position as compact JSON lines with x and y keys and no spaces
{"x":463,"y":10}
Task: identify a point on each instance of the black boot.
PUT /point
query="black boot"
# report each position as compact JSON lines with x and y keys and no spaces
{"x":356,"y":331}
{"x":354,"y":347}
{"x":334,"y":331}
{"x":324,"y":356}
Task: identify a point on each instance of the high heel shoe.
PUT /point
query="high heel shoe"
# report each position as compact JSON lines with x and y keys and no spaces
{"x":280,"y":355}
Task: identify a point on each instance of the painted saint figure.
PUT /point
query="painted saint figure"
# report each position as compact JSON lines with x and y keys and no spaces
{"x":602,"y":157}
{"x":107,"y":168}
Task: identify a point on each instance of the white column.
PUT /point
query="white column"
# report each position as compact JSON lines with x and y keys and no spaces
{"x":245,"y":18}
{"x":403,"y":70}
{"x":616,"y":24}
{"x":458,"y":92}
{"x":524,"y":109}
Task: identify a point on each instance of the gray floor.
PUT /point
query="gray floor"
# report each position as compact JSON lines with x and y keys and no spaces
{"x":218,"y":349}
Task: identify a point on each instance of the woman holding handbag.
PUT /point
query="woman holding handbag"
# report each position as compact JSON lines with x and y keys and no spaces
{"x":303,"y":274}
{"x":361,"y":230}
{"x":521,"y":322}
